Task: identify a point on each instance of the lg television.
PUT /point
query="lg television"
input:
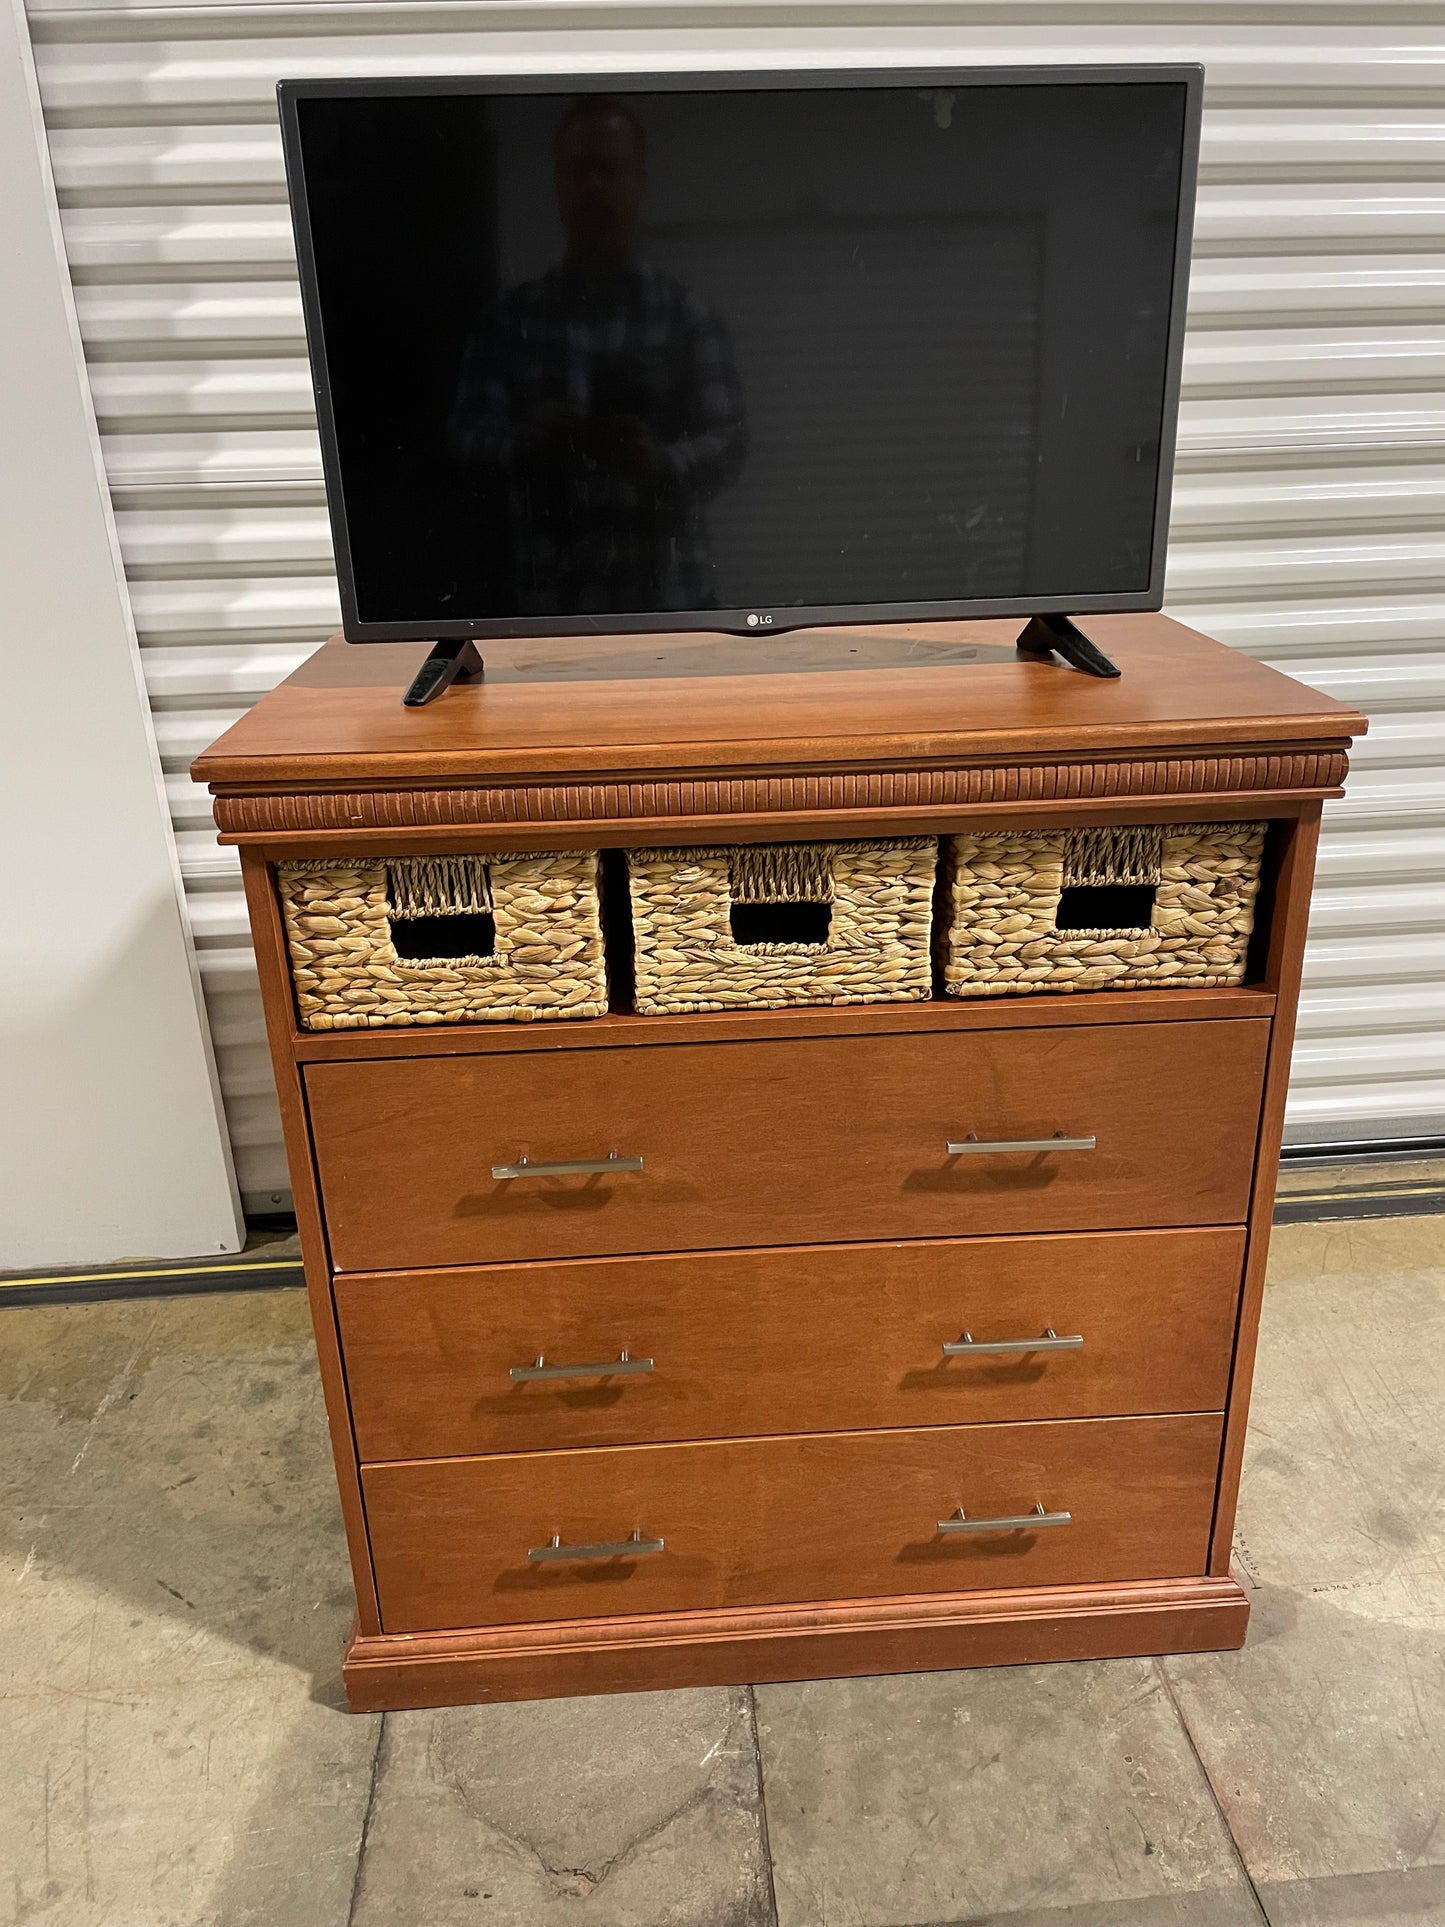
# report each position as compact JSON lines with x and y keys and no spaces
{"x":744,"y":352}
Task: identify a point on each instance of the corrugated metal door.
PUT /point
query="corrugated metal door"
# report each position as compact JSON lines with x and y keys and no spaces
{"x":1307,"y":519}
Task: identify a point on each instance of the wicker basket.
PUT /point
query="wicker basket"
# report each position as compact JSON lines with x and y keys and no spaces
{"x":763,"y":926}
{"x":1130,"y":908}
{"x":444,"y":940}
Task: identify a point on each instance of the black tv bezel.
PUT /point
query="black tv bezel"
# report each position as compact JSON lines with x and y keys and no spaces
{"x":1189,"y":75}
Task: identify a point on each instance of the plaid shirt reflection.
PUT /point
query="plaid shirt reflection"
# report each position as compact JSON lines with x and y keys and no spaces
{"x":586,"y":537}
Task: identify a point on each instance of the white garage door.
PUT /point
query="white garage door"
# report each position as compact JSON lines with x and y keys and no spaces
{"x":1308,"y":510}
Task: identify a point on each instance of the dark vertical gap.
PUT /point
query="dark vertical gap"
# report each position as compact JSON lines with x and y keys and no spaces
{"x":617,"y":939}
{"x":1270,"y":863}
{"x":942,"y":914}
{"x":1235,"y":1848}
{"x":752,"y":1694}
{"x":362,"y":1843}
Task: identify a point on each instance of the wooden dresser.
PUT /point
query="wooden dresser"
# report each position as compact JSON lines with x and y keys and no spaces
{"x":798,"y":1247}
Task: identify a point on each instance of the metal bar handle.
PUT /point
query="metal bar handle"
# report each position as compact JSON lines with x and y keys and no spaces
{"x":972,"y":1145}
{"x":970,"y":1347}
{"x":567,"y":1168}
{"x":1015,"y":1522}
{"x":618,"y":1549}
{"x":613,"y":1368}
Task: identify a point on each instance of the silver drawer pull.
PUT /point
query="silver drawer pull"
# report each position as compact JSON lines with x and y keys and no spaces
{"x":1060,"y":1141}
{"x":621,"y":1549}
{"x":1023,"y":1521}
{"x":614,"y":1368}
{"x":569,"y":1168}
{"x":969,"y":1346}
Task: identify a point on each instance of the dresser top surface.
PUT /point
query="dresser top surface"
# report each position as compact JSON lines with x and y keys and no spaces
{"x":887,"y":693}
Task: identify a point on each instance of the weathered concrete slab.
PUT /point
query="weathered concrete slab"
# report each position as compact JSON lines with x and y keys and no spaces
{"x":1325,"y":1736}
{"x":175,"y":1605}
{"x":635,"y":1811}
{"x":1414,"y":1898}
{"x":973,"y":1796}
{"x":214,"y":1805}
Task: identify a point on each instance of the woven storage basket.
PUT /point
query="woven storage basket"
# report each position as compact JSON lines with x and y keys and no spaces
{"x":1130,"y":908}
{"x":762,"y":926}
{"x":514,"y":937}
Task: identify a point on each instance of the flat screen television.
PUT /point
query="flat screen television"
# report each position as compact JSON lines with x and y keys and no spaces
{"x":743,"y":351}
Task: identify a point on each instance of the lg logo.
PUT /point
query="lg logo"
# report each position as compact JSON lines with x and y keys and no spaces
{"x":760,"y":622}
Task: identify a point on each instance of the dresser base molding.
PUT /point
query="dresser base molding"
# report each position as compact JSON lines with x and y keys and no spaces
{"x":391,"y":1672}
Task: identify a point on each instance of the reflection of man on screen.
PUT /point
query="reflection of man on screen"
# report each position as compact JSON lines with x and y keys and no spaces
{"x":606,"y":398}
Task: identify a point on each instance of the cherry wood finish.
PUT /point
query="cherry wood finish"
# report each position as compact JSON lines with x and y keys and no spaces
{"x":770,"y":1521}
{"x":515,"y":831}
{"x":811,"y":1140}
{"x":844,"y":732}
{"x":953,"y":693}
{"x":827,"y":1338}
{"x":824,"y":1639}
{"x":778,"y":1146}
{"x":621,"y":1030}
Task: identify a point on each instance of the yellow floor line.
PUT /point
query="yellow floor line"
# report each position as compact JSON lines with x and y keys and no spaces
{"x":241,"y":1263}
{"x":1357,"y":1197}
{"x":169,"y":1271}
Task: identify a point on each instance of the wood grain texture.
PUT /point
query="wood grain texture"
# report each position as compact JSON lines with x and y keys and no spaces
{"x":808,"y":1131}
{"x":889,"y":793}
{"x":1294,"y":867}
{"x":462,"y":839}
{"x":828,"y":1338}
{"x":621,"y":1030}
{"x":755,"y":1522}
{"x":826,"y":1639}
{"x":930,"y":696}
{"x":271,"y":962}
{"x":808,"y":1141}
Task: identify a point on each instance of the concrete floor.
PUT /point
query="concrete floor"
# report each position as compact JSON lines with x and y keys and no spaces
{"x":176,"y":1599}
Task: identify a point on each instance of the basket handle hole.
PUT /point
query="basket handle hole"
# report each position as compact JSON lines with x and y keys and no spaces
{"x":469,"y":933}
{"x":801,"y":923}
{"x":1106,"y":906}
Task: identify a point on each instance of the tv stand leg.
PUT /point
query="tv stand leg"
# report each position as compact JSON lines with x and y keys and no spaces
{"x":1058,"y":636}
{"x":448,"y":662}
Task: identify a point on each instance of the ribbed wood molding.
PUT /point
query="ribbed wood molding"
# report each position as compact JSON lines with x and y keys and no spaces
{"x":1295,"y":772}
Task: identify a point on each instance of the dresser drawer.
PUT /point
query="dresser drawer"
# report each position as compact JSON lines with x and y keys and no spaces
{"x":818,"y":1339}
{"x":796,"y":1142}
{"x":756,"y":1522}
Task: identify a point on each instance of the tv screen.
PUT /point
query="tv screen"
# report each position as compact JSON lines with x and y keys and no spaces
{"x":715,"y":352}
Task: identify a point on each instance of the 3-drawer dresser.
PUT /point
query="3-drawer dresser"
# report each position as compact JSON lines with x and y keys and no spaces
{"x":663,"y":1350}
